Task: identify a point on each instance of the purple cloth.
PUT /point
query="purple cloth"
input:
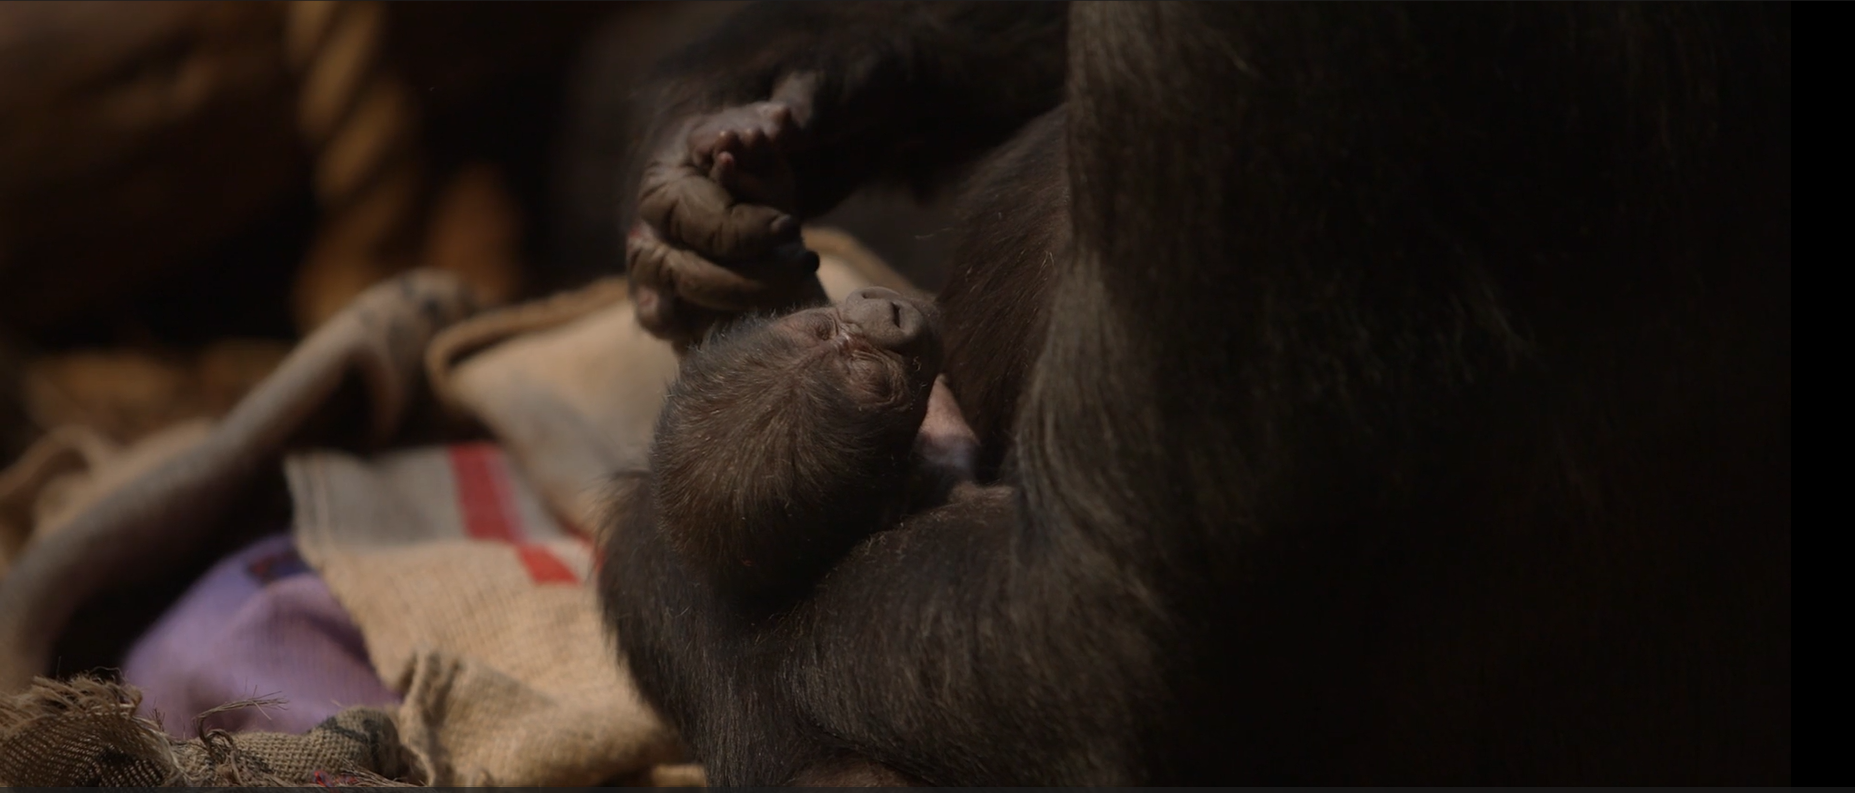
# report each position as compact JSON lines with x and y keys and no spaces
{"x":259,"y":624}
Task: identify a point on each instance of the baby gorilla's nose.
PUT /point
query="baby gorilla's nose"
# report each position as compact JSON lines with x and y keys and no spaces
{"x":885,"y":318}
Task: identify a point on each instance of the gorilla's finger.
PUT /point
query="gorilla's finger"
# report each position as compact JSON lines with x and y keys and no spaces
{"x":660,"y":312}
{"x":690,"y":209}
{"x":746,"y":286}
{"x":655,"y":308}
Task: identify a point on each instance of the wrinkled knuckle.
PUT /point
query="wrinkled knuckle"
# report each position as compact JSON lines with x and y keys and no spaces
{"x":642,"y":261}
{"x":655,"y":207}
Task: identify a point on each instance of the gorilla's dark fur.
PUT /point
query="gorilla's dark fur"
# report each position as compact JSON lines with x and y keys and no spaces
{"x":1392,"y":393}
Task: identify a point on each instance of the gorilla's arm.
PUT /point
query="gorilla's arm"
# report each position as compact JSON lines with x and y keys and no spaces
{"x":1365,"y":406}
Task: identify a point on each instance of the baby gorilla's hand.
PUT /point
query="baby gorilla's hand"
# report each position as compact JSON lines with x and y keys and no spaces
{"x":946,"y":452}
{"x":744,"y":149}
{"x":722,"y":187}
{"x":945,"y":441}
{"x":718,"y":230}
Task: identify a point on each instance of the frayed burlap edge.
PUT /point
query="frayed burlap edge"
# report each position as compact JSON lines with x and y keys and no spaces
{"x":86,"y":732}
{"x":80,"y":709}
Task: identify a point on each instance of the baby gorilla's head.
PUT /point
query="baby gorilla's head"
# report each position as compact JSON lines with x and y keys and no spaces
{"x":795,"y":427}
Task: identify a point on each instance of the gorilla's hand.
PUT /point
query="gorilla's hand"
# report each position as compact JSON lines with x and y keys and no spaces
{"x":718,"y":226}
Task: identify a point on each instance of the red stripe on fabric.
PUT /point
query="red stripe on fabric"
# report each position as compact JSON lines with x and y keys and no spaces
{"x":483,"y":493}
{"x":485,"y":499}
{"x":479,"y":501}
{"x":585,"y":539}
{"x":543,"y":566}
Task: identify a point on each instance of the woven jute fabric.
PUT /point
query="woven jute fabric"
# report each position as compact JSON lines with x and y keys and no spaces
{"x":476,"y":605}
{"x":87,"y":732}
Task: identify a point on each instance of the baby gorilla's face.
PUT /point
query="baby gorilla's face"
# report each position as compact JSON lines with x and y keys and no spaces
{"x":803,"y":424}
{"x":882,"y":349}
{"x":851,"y":372}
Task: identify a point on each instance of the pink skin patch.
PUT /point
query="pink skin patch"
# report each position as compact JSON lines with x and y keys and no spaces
{"x":945,"y":441}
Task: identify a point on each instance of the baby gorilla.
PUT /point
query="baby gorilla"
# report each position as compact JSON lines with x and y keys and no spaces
{"x":786,"y":441}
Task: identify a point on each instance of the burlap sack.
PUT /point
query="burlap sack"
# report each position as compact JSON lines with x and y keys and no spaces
{"x":567,"y":385}
{"x":475,"y":604}
{"x":88,"y":733}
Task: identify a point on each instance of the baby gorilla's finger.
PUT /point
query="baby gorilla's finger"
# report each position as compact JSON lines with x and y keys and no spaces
{"x":768,"y":185}
{"x":690,"y":209}
{"x":750,"y":164}
{"x":760,"y":127}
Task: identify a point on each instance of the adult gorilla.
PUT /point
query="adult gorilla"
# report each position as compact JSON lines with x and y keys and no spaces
{"x":1396,"y":393}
